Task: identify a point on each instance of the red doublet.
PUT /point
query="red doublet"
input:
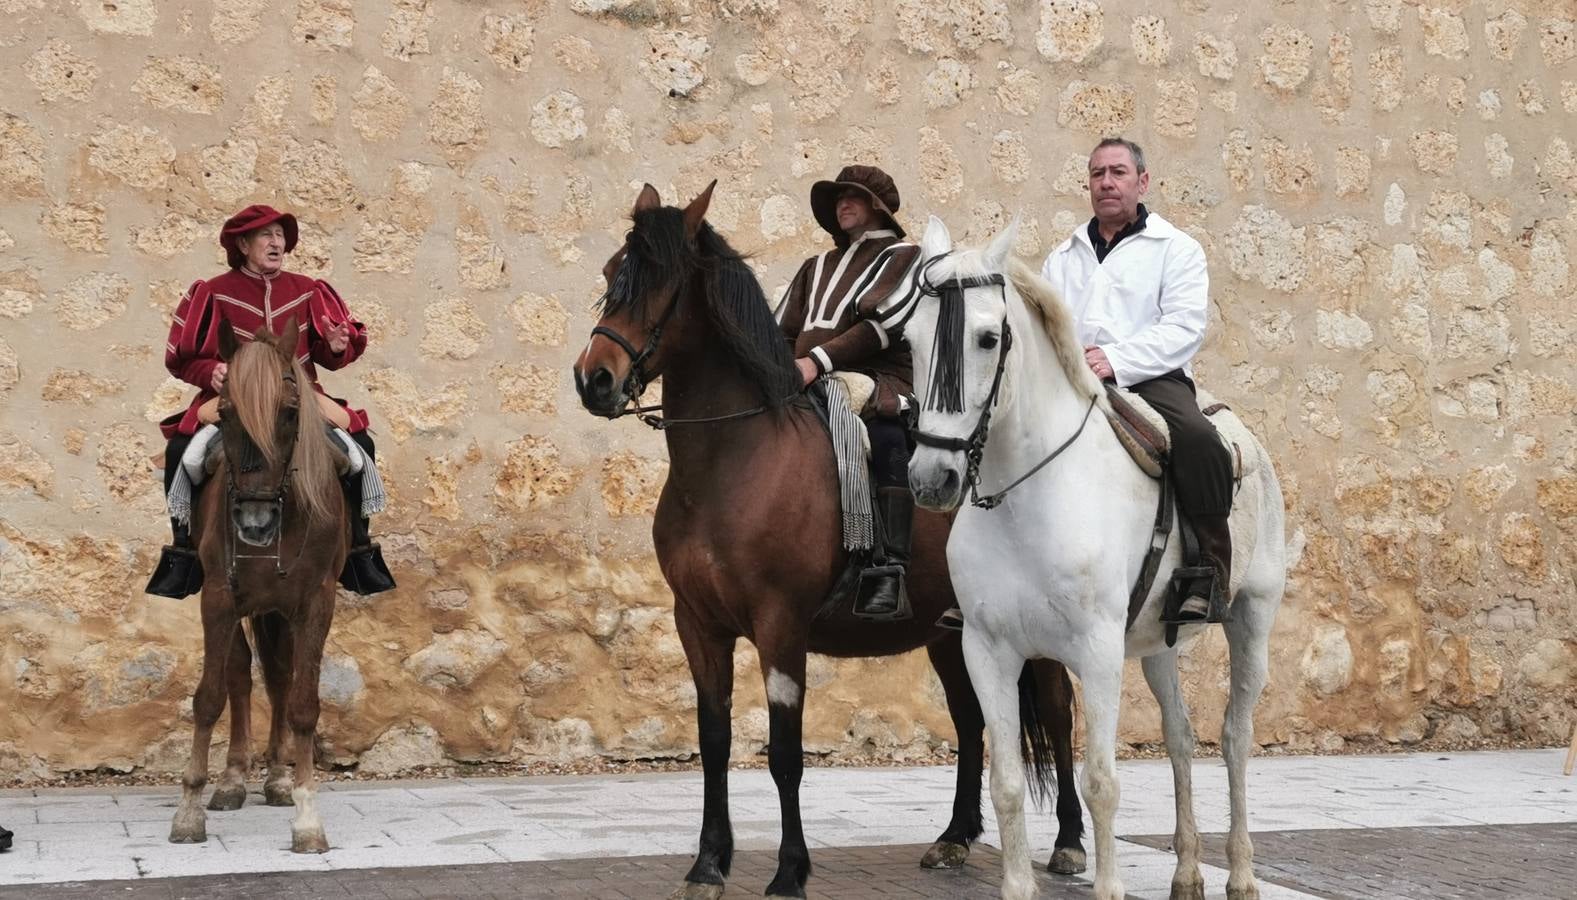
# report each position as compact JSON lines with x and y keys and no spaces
{"x":250,"y":302}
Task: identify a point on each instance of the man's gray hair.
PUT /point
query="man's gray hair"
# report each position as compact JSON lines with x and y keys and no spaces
{"x":1133,"y":149}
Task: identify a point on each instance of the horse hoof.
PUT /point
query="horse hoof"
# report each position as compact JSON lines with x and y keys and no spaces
{"x":773,"y":891}
{"x":1067,"y":861}
{"x":1246,"y":892}
{"x":278,"y":794}
{"x":693,"y":891}
{"x":1190,"y":890}
{"x":944,"y":855}
{"x":189,"y":834}
{"x":311,"y":840}
{"x":227,"y":799}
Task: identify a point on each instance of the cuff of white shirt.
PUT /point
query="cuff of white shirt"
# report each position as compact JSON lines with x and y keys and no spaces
{"x":1120,"y":370}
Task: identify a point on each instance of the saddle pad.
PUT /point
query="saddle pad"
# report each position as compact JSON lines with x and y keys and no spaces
{"x":1144,"y":434}
{"x":1139,"y":428}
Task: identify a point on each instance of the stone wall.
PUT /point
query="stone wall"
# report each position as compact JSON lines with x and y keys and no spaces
{"x":1384,"y":190}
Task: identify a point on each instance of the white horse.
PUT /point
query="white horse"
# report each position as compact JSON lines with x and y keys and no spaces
{"x":1047,"y":573}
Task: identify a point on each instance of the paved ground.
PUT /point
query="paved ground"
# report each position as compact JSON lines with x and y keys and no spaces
{"x":1389,"y":826}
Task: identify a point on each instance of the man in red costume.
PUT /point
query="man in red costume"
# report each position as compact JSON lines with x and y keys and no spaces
{"x":258,"y":293}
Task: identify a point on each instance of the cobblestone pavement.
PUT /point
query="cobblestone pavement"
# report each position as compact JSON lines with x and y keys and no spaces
{"x":1431,"y":863}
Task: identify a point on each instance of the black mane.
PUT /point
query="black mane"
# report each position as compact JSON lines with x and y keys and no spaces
{"x":658,"y":256}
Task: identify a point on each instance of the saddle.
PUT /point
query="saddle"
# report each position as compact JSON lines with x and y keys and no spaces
{"x":1143,"y":433}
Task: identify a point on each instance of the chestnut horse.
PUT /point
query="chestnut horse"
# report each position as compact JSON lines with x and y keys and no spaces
{"x":748,"y":535}
{"x":272,"y":535}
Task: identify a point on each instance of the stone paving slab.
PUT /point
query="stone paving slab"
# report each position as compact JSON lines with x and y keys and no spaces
{"x":1431,"y":863}
{"x":67,"y":835}
{"x":859,"y":873}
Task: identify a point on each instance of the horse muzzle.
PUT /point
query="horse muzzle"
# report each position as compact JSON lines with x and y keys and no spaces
{"x":600,"y":392}
{"x":937,"y":479}
{"x":257,"y":522}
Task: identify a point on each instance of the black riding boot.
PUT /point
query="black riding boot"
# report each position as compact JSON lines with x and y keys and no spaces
{"x":365,"y":571}
{"x":179,"y":572}
{"x":1207,"y":598}
{"x":882,"y":594}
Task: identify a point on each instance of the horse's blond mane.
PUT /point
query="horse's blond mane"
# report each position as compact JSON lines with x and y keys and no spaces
{"x":1057,"y":321}
{"x":256,"y":386}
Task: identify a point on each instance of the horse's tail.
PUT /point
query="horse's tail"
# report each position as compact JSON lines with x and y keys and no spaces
{"x":1039,"y":740}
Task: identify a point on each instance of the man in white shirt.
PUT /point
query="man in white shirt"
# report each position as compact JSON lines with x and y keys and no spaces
{"x":1140,"y":292}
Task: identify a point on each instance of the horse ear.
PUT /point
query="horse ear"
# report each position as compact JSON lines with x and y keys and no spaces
{"x":648,"y":199}
{"x":228,"y":342}
{"x":997,"y":251}
{"x":936,"y":240}
{"x":695,"y":213}
{"x":288,"y":338}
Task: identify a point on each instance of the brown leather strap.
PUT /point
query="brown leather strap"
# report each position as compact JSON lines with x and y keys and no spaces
{"x":1214,"y":408}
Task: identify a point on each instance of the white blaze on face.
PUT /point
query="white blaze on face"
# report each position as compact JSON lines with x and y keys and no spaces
{"x":781,"y":689}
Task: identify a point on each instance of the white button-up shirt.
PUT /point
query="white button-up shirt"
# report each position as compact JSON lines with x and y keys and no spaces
{"x":1146,"y":306}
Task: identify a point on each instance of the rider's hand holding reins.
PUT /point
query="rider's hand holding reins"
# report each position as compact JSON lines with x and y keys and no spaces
{"x":1095,"y":357}
{"x":807,"y":370}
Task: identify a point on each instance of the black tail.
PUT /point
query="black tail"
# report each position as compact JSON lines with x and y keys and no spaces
{"x":1037,"y":739}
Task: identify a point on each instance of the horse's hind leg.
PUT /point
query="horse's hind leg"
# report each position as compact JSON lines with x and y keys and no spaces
{"x":230,"y":793}
{"x":309,"y":632}
{"x":1248,"y":635}
{"x":711,"y":659}
{"x":208,"y":702}
{"x":275,"y":650}
{"x":952,"y":848}
{"x":783,"y":669}
{"x":1056,"y":703}
{"x":1161,"y":672}
{"x":995,"y":669}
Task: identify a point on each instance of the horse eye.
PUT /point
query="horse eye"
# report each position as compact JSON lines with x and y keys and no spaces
{"x":988,"y":340}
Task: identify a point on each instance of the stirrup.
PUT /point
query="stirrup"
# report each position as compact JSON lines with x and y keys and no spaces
{"x":1193,"y":598}
{"x":952,"y":620}
{"x":871,"y":578}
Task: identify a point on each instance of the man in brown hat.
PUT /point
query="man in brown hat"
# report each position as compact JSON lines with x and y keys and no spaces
{"x":258,"y":293}
{"x":836,"y":316}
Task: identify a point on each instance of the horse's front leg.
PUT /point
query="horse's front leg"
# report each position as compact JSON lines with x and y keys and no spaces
{"x":310,"y":631}
{"x":230,"y":793}
{"x":1101,"y":675}
{"x":711,"y":659}
{"x":783,"y":668}
{"x":208,"y":702}
{"x":994,"y":667}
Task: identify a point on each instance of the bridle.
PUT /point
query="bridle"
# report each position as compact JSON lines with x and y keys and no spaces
{"x":274,"y":497}
{"x":973,"y":447}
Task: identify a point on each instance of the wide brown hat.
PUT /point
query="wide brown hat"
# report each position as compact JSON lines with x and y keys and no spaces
{"x":876,"y":185}
{"x":249,"y":220}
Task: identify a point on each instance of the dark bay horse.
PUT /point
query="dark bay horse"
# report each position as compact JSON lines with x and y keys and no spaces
{"x":272,"y":535}
{"x":748,"y":535}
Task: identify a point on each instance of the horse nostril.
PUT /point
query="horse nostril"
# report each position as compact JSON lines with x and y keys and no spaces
{"x":602,"y":383}
{"x":950,"y":482}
